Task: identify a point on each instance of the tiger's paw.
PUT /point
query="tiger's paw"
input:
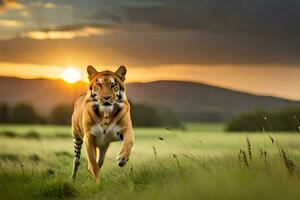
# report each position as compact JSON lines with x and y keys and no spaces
{"x":122,"y":161}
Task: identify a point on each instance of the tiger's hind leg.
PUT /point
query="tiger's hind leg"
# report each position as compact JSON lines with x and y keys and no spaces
{"x":77,"y":146}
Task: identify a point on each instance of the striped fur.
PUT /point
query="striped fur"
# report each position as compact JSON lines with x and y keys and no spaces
{"x":102,"y":117}
{"x":77,"y":150}
{"x":77,"y":147}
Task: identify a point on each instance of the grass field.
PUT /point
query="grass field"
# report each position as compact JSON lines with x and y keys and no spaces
{"x":202,"y":162}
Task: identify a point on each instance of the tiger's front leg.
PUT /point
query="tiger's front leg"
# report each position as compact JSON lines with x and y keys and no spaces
{"x":127,"y":144}
{"x":91,"y":155}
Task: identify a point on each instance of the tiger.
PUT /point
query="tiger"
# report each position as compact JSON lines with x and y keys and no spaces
{"x":101,"y":116}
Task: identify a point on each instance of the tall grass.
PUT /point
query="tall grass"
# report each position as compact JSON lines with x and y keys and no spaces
{"x":177,"y":166}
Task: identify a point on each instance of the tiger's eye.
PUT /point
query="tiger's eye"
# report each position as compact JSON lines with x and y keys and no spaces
{"x":116,"y":88}
{"x":97,"y":87}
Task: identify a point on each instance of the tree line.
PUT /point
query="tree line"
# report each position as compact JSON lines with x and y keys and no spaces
{"x":287,"y":119}
{"x":142,"y":115}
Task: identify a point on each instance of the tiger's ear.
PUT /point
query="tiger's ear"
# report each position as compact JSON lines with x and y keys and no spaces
{"x":92,"y":72}
{"x":121,"y":72}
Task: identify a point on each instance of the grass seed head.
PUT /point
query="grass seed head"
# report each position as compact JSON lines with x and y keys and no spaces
{"x":154,"y":151}
{"x":289,"y":164}
{"x":245,"y":158}
{"x":272,"y":139}
{"x":249,"y":148}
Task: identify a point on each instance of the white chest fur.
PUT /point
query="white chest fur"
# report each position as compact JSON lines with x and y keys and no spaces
{"x":103,"y":137}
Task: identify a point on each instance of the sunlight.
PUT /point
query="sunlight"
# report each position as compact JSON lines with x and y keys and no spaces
{"x":71,"y":75}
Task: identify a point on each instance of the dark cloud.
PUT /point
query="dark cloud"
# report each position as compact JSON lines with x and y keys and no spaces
{"x":153,"y":48}
{"x":267,"y":17}
{"x":202,"y":32}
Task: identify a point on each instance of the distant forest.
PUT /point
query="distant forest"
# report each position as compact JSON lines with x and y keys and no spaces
{"x":261,"y":120}
{"x":143,"y":115}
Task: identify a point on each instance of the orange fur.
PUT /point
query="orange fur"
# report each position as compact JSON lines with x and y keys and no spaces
{"x":102,"y":116}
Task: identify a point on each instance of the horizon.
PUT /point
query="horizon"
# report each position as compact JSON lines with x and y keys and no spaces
{"x":85,"y":82}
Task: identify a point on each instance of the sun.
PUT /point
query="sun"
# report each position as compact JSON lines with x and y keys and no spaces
{"x":71,"y":75}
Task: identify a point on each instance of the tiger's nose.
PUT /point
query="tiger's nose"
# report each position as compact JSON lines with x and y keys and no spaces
{"x":106,"y":98}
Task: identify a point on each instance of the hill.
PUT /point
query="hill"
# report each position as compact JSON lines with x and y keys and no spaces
{"x":197,"y":101}
{"x":192,"y":101}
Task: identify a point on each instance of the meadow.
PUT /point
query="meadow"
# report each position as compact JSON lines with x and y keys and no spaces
{"x":201,"y":162}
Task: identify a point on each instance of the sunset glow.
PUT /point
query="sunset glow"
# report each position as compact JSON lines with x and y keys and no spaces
{"x":71,"y":75}
{"x":258,"y":80}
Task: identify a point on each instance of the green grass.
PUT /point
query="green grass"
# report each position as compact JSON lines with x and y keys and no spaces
{"x":198,"y":163}
{"x":44,"y":130}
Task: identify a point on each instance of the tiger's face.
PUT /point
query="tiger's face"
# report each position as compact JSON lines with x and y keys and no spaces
{"x":106,"y":90}
{"x":106,"y":87}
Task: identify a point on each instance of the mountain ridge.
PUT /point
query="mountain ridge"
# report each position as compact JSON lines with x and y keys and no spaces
{"x":215,"y":86}
{"x":191,"y":100}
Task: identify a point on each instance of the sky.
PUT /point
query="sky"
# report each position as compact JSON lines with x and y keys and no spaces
{"x":249,"y":45}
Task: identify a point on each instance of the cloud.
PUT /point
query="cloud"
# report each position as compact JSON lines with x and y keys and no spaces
{"x":156,"y":48}
{"x":50,"y":5}
{"x":40,"y":4}
{"x":156,"y":32}
{"x":267,"y":17}
{"x":10,"y":4}
{"x":10,"y":23}
{"x":66,"y":32}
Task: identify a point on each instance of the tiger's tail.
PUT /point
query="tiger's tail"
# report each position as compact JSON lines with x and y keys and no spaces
{"x":77,"y":150}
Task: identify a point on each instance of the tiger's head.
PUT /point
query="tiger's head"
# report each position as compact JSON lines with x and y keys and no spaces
{"x":107,"y":87}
